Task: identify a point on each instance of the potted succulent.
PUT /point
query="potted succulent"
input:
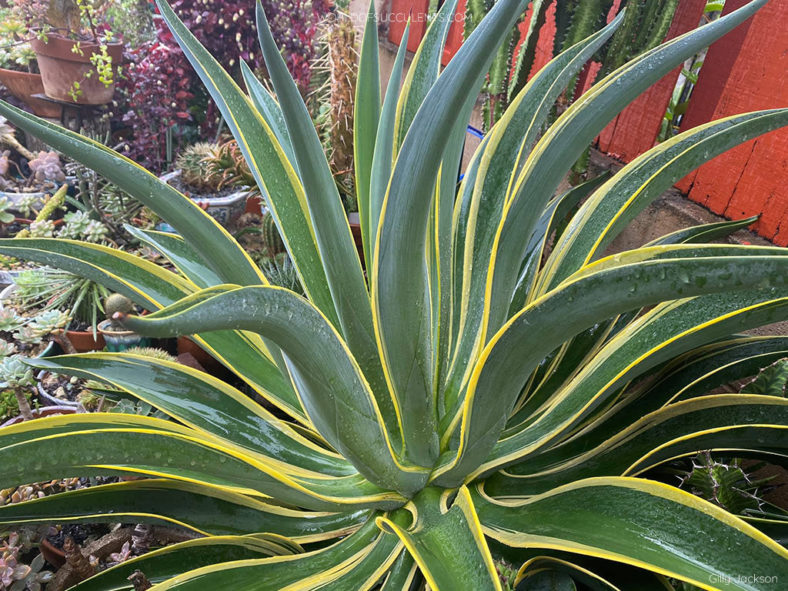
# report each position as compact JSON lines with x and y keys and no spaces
{"x":26,"y":183}
{"x":76,"y":52}
{"x":216,"y":177}
{"x":117,"y":337}
{"x":18,"y":66}
{"x":50,"y":289}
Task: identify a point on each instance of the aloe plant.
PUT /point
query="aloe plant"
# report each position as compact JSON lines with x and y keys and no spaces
{"x":464,"y":403}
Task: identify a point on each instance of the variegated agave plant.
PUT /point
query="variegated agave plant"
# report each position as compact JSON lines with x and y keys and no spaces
{"x":465,"y":400}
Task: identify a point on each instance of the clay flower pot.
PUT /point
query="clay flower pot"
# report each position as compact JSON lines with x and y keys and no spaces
{"x":23,"y":85}
{"x":61,"y":67}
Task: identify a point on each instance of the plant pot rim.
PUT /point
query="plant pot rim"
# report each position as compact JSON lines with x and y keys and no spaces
{"x":44,"y":411}
{"x":59,"y":47}
{"x":242,"y":192}
{"x":20,"y":73}
{"x":103,"y":328}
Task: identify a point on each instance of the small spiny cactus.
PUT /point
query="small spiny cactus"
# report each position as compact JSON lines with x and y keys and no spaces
{"x":191,"y":163}
{"x":117,"y":304}
{"x":272,"y":241}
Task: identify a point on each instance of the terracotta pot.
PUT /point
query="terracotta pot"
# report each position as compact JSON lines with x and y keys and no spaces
{"x":84,"y":342}
{"x":23,"y":85}
{"x":61,"y":67}
{"x":186,"y":345}
{"x":254,"y":204}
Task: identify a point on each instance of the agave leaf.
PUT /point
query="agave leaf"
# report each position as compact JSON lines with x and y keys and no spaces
{"x":183,"y":455}
{"x":168,"y":562}
{"x":383,"y":155}
{"x":331,"y":387}
{"x":704,"y":232}
{"x":273,"y":172}
{"x":366,"y":120}
{"x":679,"y":426}
{"x":666,"y":331}
{"x":623,"y":519}
{"x":199,"y":507}
{"x":213,"y":407}
{"x":272,"y":574}
{"x":143,"y":282}
{"x":604,"y":215}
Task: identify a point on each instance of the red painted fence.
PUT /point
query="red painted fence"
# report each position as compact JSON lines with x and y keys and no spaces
{"x":745,"y":71}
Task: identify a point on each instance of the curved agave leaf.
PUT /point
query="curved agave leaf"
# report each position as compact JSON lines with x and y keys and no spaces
{"x":308,"y":570}
{"x":184,"y":456}
{"x":168,"y":562}
{"x":640,"y":182}
{"x":212,"y":407}
{"x":567,"y":138}
{"x":153,"y":287}
{"x":704,"y":232}
{"x":682,"y":427}
{"x":624,"y":519}
{"x":199,"y":507}
{"x":509,"y":358}
{"x":274,"y":174}
{"x":331,"y":387}
{"x":668,"y":330}
{"x":145,"y":283}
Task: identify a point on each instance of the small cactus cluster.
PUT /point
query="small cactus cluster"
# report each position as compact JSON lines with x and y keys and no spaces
{"x":191,"y":163}
{"x":272,"y":240}
{"x":225,"y":166}
{"x":726,"y":485}
{"x":280,"y":271}
{"x":17,"y":576}
{"x":42,"y":229}
{"x":214,"y":167}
